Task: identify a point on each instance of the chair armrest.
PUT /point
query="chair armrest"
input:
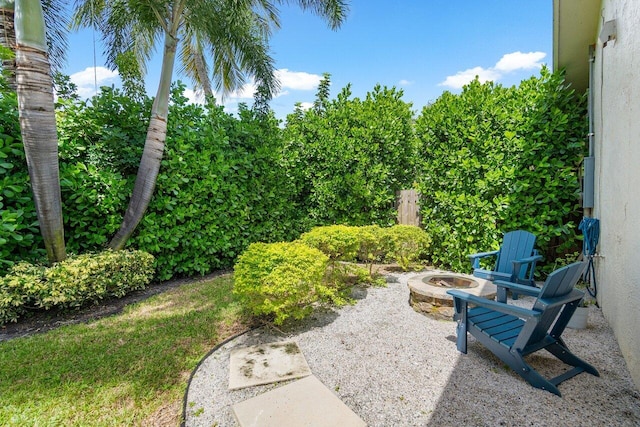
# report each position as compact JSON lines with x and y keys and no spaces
{"x":517,"y":264}
{"x":573,"y":296}
{"x":527,"y":260}
{"x":495,"y":305}
{"x":483,"y":254}
{"x":475,"y":258}
{"x":532,"y":291}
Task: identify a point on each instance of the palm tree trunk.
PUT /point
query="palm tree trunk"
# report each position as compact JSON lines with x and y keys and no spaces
{"x":152,"y":152}
{"x":8,"y":39}
{"x":38,"y":124}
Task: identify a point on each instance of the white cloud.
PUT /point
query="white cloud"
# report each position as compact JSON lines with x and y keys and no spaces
{"x":194,"y":97}
{"x":461,"y":78}
{"x":294,"y":80}
{"x":306,"y":105}
{"x":86,"y":80}
{"x":297,"y":80}
{"x":520,"y":61}
{"x":245,"y":92}
{"x":508,"y":63}
{"x":404,"y":82}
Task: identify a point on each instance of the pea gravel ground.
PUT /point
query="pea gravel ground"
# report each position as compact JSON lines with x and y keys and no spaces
{"x":395,"y":367}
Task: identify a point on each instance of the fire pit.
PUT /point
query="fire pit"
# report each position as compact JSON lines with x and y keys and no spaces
{"x":428,"y":292}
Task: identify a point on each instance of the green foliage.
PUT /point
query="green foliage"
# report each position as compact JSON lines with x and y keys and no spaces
{"x":19,"y":234}
{"x":100,"y":146}
{"x":491,"y":159}
{"x":349,"y":157}
{"x":283,"y":280}
{"x":338,"y":242}
{"x":220,"y":188}
{"x":73,"y":283}
{"x":498,"y":159}
{"x":16,"y":290}
{"x":406,"y":244}
{"x":403,"y":244}
{"x":371,"y":243}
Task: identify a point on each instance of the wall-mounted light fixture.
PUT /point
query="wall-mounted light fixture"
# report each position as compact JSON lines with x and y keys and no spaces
{"x":608,"y":32}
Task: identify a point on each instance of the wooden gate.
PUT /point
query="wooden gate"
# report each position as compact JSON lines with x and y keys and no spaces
{"x":408,"y":212}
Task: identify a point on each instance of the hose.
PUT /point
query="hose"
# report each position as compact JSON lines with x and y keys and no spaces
{"x":590,"y":228}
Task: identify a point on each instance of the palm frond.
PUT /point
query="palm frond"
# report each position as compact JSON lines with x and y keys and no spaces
{"x":56,"y":21}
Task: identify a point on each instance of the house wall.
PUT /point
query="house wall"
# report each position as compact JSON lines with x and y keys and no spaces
{"x":616,"y":91}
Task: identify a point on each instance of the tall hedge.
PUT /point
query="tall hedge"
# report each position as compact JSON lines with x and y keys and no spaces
{"x":501,"y":158}
{"x":488,"y":160}
{"x":220,"y":188}
{"x":221,"y":184}
{"x":348,"y":156}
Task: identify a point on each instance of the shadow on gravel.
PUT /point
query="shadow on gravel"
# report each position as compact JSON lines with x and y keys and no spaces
{"x":482,"y":391}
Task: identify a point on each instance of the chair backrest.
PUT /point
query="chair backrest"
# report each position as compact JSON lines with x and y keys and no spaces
{"x":515,"y":245}
{"x":558,"y":284}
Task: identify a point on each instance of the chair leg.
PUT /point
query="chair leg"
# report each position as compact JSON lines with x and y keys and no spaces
{"x":530,"y":375}
{"x":562,"y":352}
{"x":461,"y":332}
{"x":501,"y":295}
{"x":460,"y":315}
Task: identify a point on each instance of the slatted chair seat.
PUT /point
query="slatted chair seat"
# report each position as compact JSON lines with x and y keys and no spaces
{"x":512,"y":332}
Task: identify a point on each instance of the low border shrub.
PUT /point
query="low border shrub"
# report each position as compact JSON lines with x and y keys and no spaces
{"x":73,"y":283}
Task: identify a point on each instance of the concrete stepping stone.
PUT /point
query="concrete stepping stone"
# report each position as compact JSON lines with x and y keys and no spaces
{"x":306,"y":402}
{"x":266,"y":363}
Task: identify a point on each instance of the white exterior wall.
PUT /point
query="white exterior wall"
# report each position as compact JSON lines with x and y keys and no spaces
{"x":616,"y":90}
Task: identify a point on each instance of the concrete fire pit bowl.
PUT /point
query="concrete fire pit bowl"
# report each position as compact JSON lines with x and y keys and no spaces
{"x":428,"y":291}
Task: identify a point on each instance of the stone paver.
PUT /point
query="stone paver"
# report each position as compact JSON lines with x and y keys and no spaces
{"x":266,"y":363}
{"x":306,"y":402}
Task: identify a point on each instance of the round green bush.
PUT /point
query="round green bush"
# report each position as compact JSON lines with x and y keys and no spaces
{"x":406,"y":244}
{"x":338,"y":242}
{"x":282,"y":280}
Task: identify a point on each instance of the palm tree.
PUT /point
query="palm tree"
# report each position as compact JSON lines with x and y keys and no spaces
{"x":56,"y":23}
{"x":235,"y":32}
{"x":38,"y":123}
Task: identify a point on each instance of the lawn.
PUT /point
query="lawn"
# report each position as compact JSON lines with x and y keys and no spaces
{"x":127,"y":369}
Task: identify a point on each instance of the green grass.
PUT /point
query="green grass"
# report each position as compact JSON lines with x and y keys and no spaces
{"x":127,"y":369}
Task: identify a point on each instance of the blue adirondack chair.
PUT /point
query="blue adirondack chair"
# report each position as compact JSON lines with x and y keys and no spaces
{"x":515,"y":261}
{"x":512,"y":332}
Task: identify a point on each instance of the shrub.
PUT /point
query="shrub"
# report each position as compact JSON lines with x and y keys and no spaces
{"x":73,"y":283}
{"x":348,"y":156}
{"x":406,"y":244}
{"x":283,"y":280}
{"x":498,"y":159}
{"x":338,"y":242}
{"x":16,"y":290}
{"x":371,"y":246}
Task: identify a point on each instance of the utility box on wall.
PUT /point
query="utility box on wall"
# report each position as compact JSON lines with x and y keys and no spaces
{"x":589,"y":164}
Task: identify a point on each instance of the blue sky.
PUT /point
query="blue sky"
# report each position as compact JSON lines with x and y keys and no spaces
{"x":421,"y":46}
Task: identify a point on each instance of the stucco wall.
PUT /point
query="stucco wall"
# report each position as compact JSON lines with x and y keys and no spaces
{"x":616,"y":90}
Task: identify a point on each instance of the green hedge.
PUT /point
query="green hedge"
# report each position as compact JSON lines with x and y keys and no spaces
{"x":402,"y":244}
{"x":348,"y":157}
{"x":498,"y":159}
{"x":405,"y":245}
{"x":78,"y":281}
{"x":486,"y":161}
{"x":338,"y":242}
